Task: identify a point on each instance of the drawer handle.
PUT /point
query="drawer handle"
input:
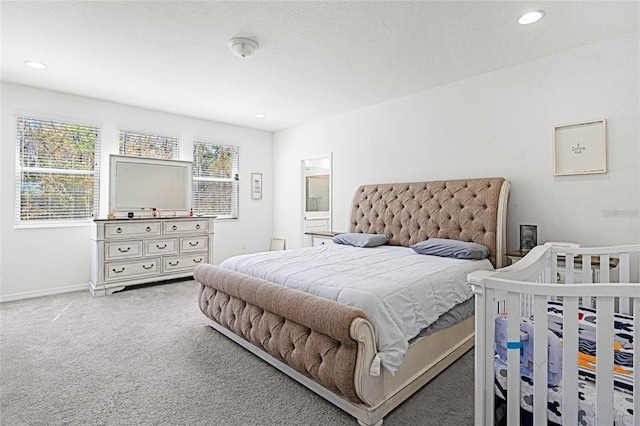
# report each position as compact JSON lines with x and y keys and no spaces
{"x":161,"y":248}
{"x":117,"y":272}
{"x":193,"y":244}
{"x":119,"y":230}
{"x":174,"y":264}
{"x":124,"y":251}
{"x":198,"y":226}
{"x":197,"y":261}
{"x":174,"y":227}
{"x":146,"y":267}
{"x":148,"y":229}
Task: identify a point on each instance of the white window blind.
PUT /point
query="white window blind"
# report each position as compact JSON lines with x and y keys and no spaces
{"x":215,"y":179}
{"x":57,"y":175}
{"x":145,"y":145}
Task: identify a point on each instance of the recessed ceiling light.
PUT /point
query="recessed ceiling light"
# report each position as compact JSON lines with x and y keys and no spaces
{"x":531,"y":17}
{"x":261,"y":115}
{"x":35,"y":65}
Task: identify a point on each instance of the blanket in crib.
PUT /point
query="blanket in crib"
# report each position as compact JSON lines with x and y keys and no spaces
{"x":623,"y":369}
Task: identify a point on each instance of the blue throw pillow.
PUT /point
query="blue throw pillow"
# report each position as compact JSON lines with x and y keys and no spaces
{"x":361,"y":240}
{"x":451,"y":248}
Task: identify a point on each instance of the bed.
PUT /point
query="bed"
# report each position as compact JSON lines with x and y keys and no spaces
{"x":332,"y":347}
{"x":558,"y":353}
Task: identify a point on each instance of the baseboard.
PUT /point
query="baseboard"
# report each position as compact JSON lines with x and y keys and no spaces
{"x":40,"y":293}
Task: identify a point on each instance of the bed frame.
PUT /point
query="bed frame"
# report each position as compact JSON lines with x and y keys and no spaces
{"x":330,"y":347}
{"x":523,"y":290}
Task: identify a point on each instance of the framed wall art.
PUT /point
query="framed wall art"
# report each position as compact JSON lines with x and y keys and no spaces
{"x":580,"y":148}
{"x":256,"y":186}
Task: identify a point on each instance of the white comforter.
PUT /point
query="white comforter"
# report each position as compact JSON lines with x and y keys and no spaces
{"x":401,"y":291}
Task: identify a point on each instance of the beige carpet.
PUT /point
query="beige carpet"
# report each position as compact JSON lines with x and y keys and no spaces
{"x":146,"y":356}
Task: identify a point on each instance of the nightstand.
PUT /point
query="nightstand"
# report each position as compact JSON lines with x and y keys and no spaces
{"x":320,"y":238}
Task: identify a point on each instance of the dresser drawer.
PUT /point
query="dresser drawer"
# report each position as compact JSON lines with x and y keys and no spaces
{"x":130,"y":229}
{"x":184,"y":226}
{"x":125,"y":270}
{"x":320,"y":241}
{"x":188,"y":244}
{"x":183,"y":263}
{"x":164,"y":246}
{"x":122,"y":250}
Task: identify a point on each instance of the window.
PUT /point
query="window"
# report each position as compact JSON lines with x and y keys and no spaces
{"x":57,"y":175}
{"x":215,"y":179}
{"x":143,"y":145}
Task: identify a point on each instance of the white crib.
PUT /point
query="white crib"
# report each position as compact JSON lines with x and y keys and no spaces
{"x":526,"y":290}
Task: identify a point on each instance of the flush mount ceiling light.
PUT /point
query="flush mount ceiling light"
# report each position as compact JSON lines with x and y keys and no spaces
{"x":261,"y":115}
{"x":531,"y":17}
{"x":243,"y":47}
{"x":35,"y":65}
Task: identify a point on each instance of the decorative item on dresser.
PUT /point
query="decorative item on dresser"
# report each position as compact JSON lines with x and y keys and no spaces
{"x":136,"y":251}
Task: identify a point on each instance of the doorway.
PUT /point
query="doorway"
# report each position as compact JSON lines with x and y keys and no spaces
{"x":316,"y":195}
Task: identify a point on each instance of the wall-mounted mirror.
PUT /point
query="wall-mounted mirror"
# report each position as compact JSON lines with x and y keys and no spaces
{"x":317,"y":196}
{"x":316,"y":187}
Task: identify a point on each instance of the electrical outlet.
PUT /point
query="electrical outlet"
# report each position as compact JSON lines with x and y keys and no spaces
{"x":244,"y":246}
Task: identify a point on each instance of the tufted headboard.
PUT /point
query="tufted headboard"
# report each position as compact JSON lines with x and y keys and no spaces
{"x":464,"y":209}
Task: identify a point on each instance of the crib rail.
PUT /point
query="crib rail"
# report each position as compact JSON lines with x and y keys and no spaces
{"x":524,"y":290}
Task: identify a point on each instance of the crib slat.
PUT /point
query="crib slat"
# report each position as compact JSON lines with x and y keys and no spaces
{"x":491,"y":309}
{"x":604,"y":268}
{"x":489,"y":357}
{"x":513,"y":359}
{"x":623,"y":273}
{"x":604,"y":361}
{"x":623,"y":277}
{"x":479,"y":372}
{"x":553,"y":271}
{"x":570,"y":361}
{"x":587,"y":276}
{"x":636,"y":376}
{"x":540,"y":377}
{"x":569,"y":269}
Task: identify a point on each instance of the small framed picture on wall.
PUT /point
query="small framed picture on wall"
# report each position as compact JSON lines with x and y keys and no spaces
{"x":256,"y":186}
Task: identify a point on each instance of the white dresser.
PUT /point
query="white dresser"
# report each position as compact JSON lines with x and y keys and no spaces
{"x":136,"y":251}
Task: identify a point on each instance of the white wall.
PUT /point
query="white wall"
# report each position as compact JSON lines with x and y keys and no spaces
{"x":496,"y":124}
{"x":41,"y":260}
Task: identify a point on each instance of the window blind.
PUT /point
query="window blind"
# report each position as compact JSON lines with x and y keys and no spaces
{"x":57,"y":175}
{"x":215,"y":179}
{"x":146,"y":145}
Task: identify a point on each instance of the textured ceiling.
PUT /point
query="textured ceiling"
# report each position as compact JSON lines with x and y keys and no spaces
{"x":316,"y":59}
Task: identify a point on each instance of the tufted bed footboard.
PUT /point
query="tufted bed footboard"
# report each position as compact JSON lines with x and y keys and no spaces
{"x":310,"y":334}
